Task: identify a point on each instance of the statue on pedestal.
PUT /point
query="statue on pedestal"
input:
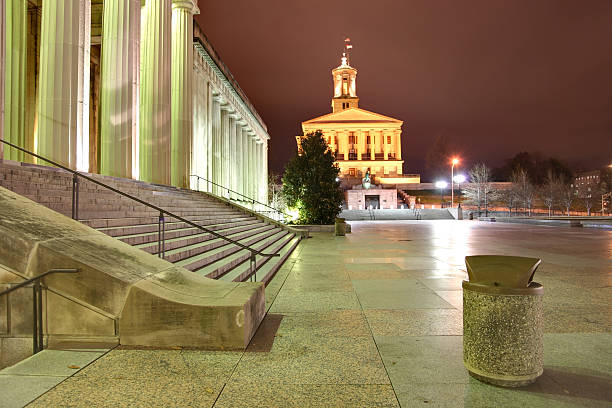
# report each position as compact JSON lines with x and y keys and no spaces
{"x":365,"y":182}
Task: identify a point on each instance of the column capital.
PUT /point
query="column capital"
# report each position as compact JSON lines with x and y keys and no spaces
{"x":188,"y":5}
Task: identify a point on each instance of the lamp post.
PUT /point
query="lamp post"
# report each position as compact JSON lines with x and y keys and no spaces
{"x":459,"y":178}
{"x":453,"y":162}
{"x":441,"y":185}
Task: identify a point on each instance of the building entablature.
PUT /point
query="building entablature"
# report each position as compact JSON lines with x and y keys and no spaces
{"x":227,"y":95}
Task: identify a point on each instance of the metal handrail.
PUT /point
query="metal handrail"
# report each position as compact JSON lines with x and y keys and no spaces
{"x":252,"y":200}
{"x":37,"y":326}
{"x":161,"y":223}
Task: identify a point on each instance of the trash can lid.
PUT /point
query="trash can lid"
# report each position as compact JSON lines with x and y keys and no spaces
{"x":338,"y":219}
{"x":501,"y":271}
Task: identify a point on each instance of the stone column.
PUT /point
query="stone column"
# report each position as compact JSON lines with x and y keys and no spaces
{"x":372,"y":145}
{"x":199,"y":154}
{"x":345,"y":144}
{"x":252,"y":168}
{"x":232,"y":156}
{"x":155,"y":92}
{"x":225,"y":134}
{"x":245,"y":162}
{"x":258,"y":172}
{"x":360,"y":144}
{"x":210,"y":108}
{"x":398,"y":144}
{"x":385,"y":145}
{"x":14,"y":31}
{"x":182,"y":90}
{"x":216,"y":147}
{"x":120,"y":88}
{"x":265,"y":171}
{"x":238,"y":163}
{"x":2,"y":70}
{"x":63,"y":90}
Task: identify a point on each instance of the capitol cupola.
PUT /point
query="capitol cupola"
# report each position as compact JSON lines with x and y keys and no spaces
{"x":345,"y":84}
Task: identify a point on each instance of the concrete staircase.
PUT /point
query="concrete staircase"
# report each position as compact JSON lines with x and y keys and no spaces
{"x":138,"y":225}
{"x":387,"y":214}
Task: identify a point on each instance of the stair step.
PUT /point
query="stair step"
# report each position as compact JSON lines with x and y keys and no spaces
{"x":237,"y":258}
{"x":214,"y":245}
{"x":261,"y":261}
{"x":211,"y":258}
{"x":197,"y":237}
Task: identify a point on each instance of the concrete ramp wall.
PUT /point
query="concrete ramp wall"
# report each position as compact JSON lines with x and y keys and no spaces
{"x":120,"y":290}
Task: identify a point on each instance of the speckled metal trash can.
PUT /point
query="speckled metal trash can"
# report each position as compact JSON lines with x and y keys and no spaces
{"x":502,"y":320}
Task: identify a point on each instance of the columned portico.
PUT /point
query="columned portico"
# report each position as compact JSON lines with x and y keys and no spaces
{"x":155,"y":92}
{"x":160,"y":105}
{"x":63,"y":92}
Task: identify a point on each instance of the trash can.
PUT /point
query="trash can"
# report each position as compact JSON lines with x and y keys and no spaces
{"x":340,"y":227}
{"x":502,"y":320}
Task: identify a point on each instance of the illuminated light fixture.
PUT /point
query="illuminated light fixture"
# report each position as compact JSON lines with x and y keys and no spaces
{"x":441,"y":184}
{"x":337,"y":179}
{"x":454,"y":161}
{"x":459,"y":178}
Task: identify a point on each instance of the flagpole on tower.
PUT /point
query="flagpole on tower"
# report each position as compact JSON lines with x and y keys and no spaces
{"x":347,"y":47}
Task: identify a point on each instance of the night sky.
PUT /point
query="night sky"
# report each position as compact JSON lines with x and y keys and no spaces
{"x":493,"y":77}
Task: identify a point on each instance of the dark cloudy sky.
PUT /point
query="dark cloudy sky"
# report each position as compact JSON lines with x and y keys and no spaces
{"x":495,"y":77}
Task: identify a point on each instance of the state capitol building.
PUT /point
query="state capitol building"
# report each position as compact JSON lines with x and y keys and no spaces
{"x":360,"y":139}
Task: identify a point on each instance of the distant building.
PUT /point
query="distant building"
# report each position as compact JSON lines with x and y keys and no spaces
{"x":361,"y":140}
{"x":586,"y":182}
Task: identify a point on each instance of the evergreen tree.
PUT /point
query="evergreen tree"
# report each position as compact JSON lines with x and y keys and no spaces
{"x":309,"y":182}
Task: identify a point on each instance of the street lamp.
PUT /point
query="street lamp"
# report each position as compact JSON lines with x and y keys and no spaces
{"x":459,"y":178}
{"x":454,"y":161}
{"x":441,"y":185}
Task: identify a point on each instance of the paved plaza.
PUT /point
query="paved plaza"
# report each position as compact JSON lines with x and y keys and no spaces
{"x":374,"y":319}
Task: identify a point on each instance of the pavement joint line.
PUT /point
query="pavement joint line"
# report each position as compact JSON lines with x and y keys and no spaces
{"x":376,"y":345}
{"x":71,"y":375}
{"x":228,"y":379}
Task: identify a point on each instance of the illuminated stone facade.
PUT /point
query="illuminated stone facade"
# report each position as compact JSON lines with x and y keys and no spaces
{"x":155,"y":103}
{"x":361,"y":140}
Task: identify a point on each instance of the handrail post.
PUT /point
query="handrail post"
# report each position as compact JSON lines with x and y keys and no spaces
{"x":34,"y":321}
{"x":161,"y":235}
{"x":253,"y":267}
{"x":75,"y":197}
{"x":40,"y":315}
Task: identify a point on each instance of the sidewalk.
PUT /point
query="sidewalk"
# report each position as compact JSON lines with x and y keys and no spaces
{"x":374,"y":320}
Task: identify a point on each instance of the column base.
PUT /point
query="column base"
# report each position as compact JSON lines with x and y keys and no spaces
{"x":503,"y":381}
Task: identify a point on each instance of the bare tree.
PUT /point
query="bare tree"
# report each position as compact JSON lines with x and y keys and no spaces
{"x":549,"y":191}
{"x":586,"y":197}
{"x":566,"y":196}
{"x":510,"y":198}
{"x":479,"y":191}
{"x":524,"y":188}
{"x":276,"y":198}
